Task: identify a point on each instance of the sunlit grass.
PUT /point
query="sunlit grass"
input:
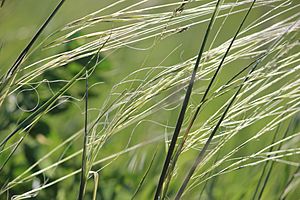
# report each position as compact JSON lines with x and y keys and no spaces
{"x":242,"y":112}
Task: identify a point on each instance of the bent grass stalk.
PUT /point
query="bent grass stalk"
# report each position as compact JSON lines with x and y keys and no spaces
{"x":13,"y":69}
{"x":183,"y":108}
{"x":134,"y":24}
{"x":202,"y":152}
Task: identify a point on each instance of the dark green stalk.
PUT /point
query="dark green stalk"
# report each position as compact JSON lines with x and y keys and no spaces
{"x":12,"y":71}
{"x":203,"y":100}
{"x":83,"y":175}
{"x":2,"y":3}
{"x":283,"y":196}
{"x":12,"y":152}
{"x":144,"y":177}
{"x":202,"y":152}
{"x":183,"y":109}
{"x":204,"y":186}
{"x":270,"y":169}
{"x":272,"y":164}
{"x":265,"y":165}
{"x":209,"y":174}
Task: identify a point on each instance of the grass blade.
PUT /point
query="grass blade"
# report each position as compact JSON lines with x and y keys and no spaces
{"x":265,"y":165}
{"x":144,"y":177}
{"x":2,"y":3}
{"x":183,"y":108}
{"x":272,"y":164}
{"x":202,"y":152}
{"x":290,"y":181}
{"x":83,"y":175}
{"x":11,"y":72}
{"x":41,"y":109}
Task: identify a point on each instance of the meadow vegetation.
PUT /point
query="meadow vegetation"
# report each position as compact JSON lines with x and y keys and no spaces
{"x":177,"y":99}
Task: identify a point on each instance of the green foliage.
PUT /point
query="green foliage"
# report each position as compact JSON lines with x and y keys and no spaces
{"x":102,"y":93}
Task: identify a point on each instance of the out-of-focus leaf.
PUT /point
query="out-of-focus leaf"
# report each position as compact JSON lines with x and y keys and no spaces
{"x":41,"y":127}
{"x":59,"y":107}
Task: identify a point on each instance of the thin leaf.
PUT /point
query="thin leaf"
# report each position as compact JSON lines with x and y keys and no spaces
{"x":12,"y":71}
{"x":184,"y":107}
{"x":202,"y":152}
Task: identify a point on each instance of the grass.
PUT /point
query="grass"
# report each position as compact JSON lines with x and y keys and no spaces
{"x":184,"y":108}
{"x":120,"y":90}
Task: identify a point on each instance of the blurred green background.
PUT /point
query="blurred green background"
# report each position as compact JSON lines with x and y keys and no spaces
{"x":19,"y":20}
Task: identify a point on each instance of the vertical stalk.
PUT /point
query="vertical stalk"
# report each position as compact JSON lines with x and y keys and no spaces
{"x":183,"y":108}
{"x":83,"y":175}
{"x":203,"y":151}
